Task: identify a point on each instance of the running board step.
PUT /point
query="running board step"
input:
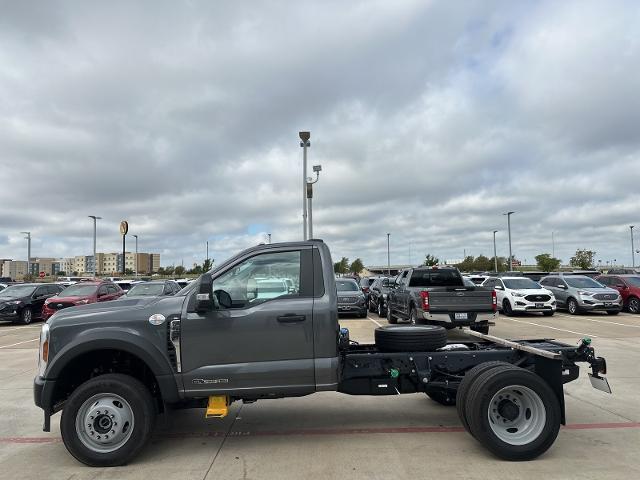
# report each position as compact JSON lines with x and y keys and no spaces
{"x":218,"y":406}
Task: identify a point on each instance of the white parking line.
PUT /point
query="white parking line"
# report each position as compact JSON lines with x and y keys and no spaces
{"x":547,"y":326}
{"x":600,"y":321}
{"x":374,"y":321}
{"x":20,"y":343}
{"x":19,"y":328}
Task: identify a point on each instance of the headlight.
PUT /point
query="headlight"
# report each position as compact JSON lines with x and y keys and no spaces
{"x":585,"y":294}
{"x":516,"y":294}
{"x":82,"y":302}
{"x":15,"y":302}
{"x":384,"y":295}
{"x":43,"y":356}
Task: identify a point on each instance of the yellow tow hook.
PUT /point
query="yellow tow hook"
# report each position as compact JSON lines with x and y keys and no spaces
{"x":218,"y":406}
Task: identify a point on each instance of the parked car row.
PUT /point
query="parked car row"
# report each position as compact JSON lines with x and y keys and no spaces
{"x":26,"y":302}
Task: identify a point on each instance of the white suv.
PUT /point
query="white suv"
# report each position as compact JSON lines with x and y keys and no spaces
{"x":521,"y":294}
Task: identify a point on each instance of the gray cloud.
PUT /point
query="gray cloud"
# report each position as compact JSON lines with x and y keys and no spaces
{"x":429,"y":119}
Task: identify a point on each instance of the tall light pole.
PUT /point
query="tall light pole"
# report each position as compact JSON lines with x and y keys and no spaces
{"x":136,"y":262}
{"x":95,"y":260}
{"x":495,"y":254}
{"x":388,"y":256}
{"x":317,"y":169}
{"x":269,"y":236}
{"x":633,"y":252}
{"x":553,"y":245}
{"x":304,"y":136}
{"x":508,"y":214}
{"x":28,"y":239}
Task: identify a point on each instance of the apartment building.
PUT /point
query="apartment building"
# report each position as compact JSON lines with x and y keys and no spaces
{"x":15,"y":269}
{"x":39,"y":264}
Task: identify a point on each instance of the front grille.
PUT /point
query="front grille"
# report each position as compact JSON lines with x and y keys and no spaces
{"x":59,"y":305}
{"x":605,"y":296}
{"x":347,"y":299}
{"x":537,"y":298}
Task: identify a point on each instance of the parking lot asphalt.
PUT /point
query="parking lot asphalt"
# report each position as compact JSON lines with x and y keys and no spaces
{"x":330,"y":435}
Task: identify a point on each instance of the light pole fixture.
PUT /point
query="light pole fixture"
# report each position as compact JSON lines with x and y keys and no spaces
{"x":136,"y":261}
{"x":317,"y":169}
{"x":305,"y":143}
{"x":388,"y":256}
{"x":508,"y":214}
{"x":633,"y":254}
{"x":95,"y":260}
{"x":28,"y":239}
{"x":495,"y":254}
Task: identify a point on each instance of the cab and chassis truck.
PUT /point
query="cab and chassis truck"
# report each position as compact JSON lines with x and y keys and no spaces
{"x":110,"y":369}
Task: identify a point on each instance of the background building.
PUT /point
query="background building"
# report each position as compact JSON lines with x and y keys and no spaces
{"x":15,"y":269}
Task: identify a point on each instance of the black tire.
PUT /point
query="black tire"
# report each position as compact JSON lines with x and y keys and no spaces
{"x":391,"y":318}
{"x":506,"y":307}
{"x":410,"y":338}
{"x":26,"y":317}
{"x":481,"y":328}
{"x":381,"y":310}
{"x":634,"y":305}
{"x":443,"y":396}
{"x":142,"y":407}
{"x":572,"y":306}
{"x":467,"y":381}
{"x":369,"y":307}
{"x":479,"y":410}
{"x":363,"y":314}
{"x":548,"y":314}
{"x":613,"y":312}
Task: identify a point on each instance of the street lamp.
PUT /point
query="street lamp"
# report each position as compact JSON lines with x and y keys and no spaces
{"x":316,"y":169}
{"x":508,"y":214}
{"x":553,"y":245}
{"x":495,"y":255}
{"x":388,"y":256}
{"x":633,"y":255}
{"x":95,"y":260}
{"x":136,"y":262}
{"x":304,"y":136}
{"x":28,"y":239}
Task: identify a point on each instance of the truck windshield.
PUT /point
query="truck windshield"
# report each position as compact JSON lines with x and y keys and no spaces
{"x":347,"y":286}
{"x":521,"y":284}
{"x":435,"y":278}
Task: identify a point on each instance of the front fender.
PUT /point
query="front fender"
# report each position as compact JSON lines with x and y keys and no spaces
{"x":110,"y":338}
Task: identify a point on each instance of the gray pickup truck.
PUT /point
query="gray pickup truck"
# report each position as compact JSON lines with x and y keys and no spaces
{"x":439,"y":296}
{"x":231,"y":336}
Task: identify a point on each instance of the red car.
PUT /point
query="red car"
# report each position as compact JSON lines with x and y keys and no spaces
{"x":81,"y":294}
{"x":628,"y":286}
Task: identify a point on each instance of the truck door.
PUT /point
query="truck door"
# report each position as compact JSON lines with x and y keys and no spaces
{"x":260,"y":336}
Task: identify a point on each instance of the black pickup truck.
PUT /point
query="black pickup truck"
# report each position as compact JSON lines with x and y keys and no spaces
{"x":229,"y":336}
{"x":439,"y":296}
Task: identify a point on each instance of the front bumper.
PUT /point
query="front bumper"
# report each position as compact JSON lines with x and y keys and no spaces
{"x":9,"y":315}
{"x":522,"y":305}
{"x":587,"y":304}
{"x":351,"y":308}
{"x":450,"y":318}
{"x":43,"y":398}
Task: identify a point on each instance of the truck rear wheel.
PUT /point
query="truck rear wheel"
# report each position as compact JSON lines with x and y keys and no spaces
{"x":391,"y":318}
{"x":107,"y":420}
{"x":410,"y":338}
{"x":465,"y":385}
{"x":513,"y":412}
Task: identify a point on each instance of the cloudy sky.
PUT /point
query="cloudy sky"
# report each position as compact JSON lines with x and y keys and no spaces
{"x":430,"y":120}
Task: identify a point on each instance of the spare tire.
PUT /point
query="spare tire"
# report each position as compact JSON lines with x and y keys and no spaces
{"x":410,"y":338}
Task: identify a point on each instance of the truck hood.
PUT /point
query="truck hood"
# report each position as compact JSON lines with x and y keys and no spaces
{"x":105,"y":313}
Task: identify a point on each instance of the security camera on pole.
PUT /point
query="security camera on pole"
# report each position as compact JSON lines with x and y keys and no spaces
{"x":305,"y":143}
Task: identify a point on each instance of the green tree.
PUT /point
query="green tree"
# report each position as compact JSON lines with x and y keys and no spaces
{"x":430,"y":260}
{"x":161,"y":271}
{"x":128,"y":271}
{"x":179,"y":271}
{"x":196,"y":270}
{"x":356,"y":266}
{"x":169,"y":270}
{"x":583,"y":259}
{"x":207,"y":264}
{"x":482,"y":263}
{"x":62,"y":273}
{"x":547,"y":263}
{"x":342,"y":266}
{"x":75,"y":273}
{"x":467,"y":264}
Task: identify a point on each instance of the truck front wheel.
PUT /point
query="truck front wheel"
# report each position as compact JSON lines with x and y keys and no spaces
{"x":513,"y":412}
{"x":107,"y":420}
{"x":391,"y":318}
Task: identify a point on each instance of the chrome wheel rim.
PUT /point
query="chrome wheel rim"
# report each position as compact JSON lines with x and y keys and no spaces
{"x":104,"y":422}
{"x":572,"y":307}
{"x":517,"y":415}
{"x":26,"y":316}
{"x":634,"y":306}
{"x":379,"y":309}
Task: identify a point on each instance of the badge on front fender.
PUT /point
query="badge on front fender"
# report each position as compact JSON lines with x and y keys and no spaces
{"x":157,"y":319}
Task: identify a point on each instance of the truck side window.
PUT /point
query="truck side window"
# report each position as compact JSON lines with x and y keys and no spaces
{"x":258,"y":279}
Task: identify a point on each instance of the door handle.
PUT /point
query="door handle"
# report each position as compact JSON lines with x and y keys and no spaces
{"x":291,"y":318}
